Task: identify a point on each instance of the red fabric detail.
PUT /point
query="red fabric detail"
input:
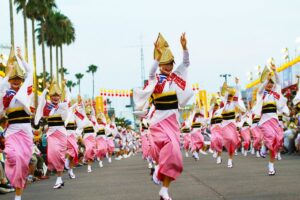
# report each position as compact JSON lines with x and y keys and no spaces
{"x":46,"y":110}
{"x":159,"y":87}
{"x":235,"y":98}
{"x":275,"y":94}
{"x":78,"y":114}
{"x":29,"y":90}
{"x":178,"y":80}
{"x":32,"y":109}
{"x":222,"y":104}
{"x":146,"y":84}
{"x":173,"y":77}
{"x":6,"y":100}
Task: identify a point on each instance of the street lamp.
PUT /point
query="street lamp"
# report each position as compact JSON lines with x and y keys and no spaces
{"x":225,"y":76}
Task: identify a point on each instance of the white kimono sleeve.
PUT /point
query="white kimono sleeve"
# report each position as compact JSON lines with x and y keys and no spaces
{"x":40,"y":108}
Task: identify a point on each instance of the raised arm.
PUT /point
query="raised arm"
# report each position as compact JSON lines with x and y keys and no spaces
{"x":41,"y":105}
{"x":27,"y":67}
{"x":180,"y":70}
{"x":153,"y":70}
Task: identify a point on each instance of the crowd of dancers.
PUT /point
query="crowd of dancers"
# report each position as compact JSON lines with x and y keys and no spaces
{"x":229,"y":124}
{"x":76,"y":133}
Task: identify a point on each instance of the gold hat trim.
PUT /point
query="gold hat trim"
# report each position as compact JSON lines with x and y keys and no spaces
{"x":17,"y":71}
{"x":167,"y":55}
{"x":54,"y":89}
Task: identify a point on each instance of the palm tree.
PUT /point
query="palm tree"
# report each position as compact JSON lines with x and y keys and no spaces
{"x":65,"y":71}
{"x":21,"y":5}
{"x":57,"y":36}
{"x":12,"y":37}
{"x":51,"y":32}
{"x":68,"y":38}
{"x":92,"y":69}
{"x":78,"y":77}
{"x":70,"y":84}
{"x":33,"y":13}
{"x":45,"y":7}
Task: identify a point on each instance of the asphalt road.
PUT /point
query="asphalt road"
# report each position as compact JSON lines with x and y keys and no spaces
{"x":129,"y":179}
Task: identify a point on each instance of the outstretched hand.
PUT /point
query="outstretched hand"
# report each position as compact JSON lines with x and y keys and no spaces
{"x":19,"y":53}
{"x":183,"y":41}
{"x":47,"y":85}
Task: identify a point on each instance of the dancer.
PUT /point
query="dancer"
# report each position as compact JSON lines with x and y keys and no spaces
{"x":72,"y":146}
{"x":186,"y":139}
{"x":232,"y":104}
{"x":269,"y":101}
{"x":246,"y":122}
{"x":56,"y":112}
{"x":256,"y":134}
{"x":168,"y":91}
{"x":85,"y":120}
{"x":215,"y":114}
{"x":16,"y":98}
{"x":101,"y":144}
{"x":197,"y":139}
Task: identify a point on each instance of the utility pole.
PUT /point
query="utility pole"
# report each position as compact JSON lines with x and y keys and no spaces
{"x":225,"y":76}
{"x":142,"y":63}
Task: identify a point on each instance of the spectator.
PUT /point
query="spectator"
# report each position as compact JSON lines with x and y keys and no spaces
{"x":5,"y":187}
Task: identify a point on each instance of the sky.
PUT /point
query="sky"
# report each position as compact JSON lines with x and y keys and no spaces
{"x":231,"y":36}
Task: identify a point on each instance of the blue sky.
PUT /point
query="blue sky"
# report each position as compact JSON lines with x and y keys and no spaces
{"x":231,"y":36}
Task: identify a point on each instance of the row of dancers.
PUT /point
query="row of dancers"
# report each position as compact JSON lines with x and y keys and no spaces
{"x":230,"y":122}
{"x":69,"y":127}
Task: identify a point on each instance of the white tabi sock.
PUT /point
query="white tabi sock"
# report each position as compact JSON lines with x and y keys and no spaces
{"x":164,"y":192}
{"x":58,"y":180}
{"x":89,"y":168}
{"x":70,"y":171}
{"x":67,"y":164}
{"x":17,"y":197}
{"x":271,"y":166}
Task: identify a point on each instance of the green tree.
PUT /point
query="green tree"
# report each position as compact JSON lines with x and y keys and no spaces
{"x":63,"y":33}
{"x":21,"y":6}
{"x":92,"y":69}
{"x":45,"y":7}
{"x":67,"y":39}
{"x":70,"y":84}
{"x":79,"y":76}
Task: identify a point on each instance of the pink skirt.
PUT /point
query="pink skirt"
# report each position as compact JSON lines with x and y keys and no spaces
{"x":230,"y":137}
{"x":166,"y":139}
{"x":271,"y":135}
{"x":72,"y":148}
{"x":18,"y":150}
{"x":101,"y":147}
{"x":145,"y":146}
{"x":187,"y":141}
{"x":280,"y":133}
{"x":197,"y":140}
{"x":90,"y":148}
{"x":110,"y":145}
{"x":56,"y":151}
{"x":151,"y":150}
{"x":245,"y":133}
{"x":257,"y":137}
{"x":216,"y":138}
